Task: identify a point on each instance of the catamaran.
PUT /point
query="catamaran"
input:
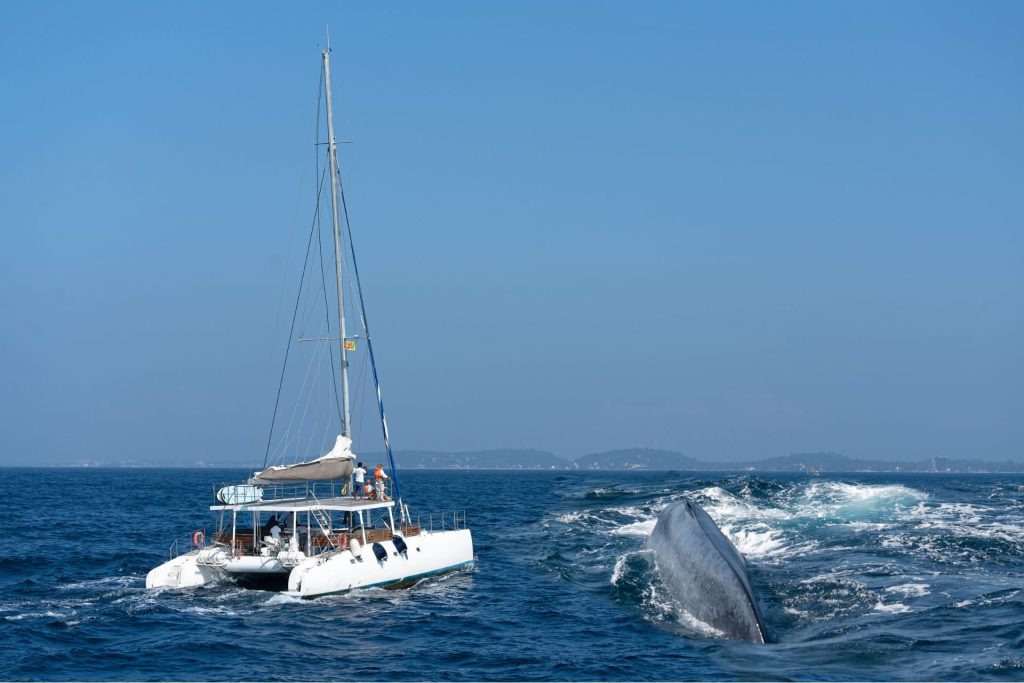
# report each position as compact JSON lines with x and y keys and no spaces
{"x":310,"y":527}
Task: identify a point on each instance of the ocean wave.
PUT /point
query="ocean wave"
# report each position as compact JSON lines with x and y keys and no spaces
{"x":834,"y":500}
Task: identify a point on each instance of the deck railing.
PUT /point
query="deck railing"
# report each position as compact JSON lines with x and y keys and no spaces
{"x":300,"y":491}
{"x":177,"y":544}
{"x":442,"y":521}
{"x":439,"y":521}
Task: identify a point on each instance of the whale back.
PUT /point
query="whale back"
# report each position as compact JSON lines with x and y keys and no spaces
{"x":704,"y":571}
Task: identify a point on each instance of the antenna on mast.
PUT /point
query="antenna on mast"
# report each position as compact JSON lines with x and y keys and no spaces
{"x":328,"y":37}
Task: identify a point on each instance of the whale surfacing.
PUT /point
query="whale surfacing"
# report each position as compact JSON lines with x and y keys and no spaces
{"x":705,"y":572}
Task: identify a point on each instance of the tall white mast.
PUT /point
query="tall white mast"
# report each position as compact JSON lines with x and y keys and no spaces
{"x":332,"y":152}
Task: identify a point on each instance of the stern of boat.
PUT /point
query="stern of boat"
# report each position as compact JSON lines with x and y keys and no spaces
{"x":183,"y":571}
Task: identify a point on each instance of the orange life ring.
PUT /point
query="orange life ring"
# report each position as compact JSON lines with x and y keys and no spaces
{"x":198,"y":538}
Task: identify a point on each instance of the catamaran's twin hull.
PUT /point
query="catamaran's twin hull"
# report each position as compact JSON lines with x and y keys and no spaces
{"x":426,"y":554}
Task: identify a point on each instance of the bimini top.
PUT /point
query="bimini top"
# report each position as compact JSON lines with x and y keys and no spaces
{"x":337,"y":464}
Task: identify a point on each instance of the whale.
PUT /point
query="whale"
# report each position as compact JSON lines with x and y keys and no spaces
{"x":704,"y":572}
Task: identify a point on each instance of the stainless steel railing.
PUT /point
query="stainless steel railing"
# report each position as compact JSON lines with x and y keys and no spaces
{"x":442,"y":521}
{"x":188,"y":542}
{"x":303,"y":490}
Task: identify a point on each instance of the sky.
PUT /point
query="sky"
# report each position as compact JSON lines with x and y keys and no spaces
{"x":736,"y":230}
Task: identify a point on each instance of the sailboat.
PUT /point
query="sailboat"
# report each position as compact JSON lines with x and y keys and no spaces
{"x":305,"y":527}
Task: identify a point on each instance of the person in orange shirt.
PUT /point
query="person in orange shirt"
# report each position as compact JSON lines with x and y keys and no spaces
{"x":379,"y":475}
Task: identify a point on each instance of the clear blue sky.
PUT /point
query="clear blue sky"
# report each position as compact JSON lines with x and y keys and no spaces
{"x":736,"y":230}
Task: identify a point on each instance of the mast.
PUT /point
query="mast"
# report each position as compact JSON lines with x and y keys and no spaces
{"x":332,"y":152}
{"x":332,"y":147}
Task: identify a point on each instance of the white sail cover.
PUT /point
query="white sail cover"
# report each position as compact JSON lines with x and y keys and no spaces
{"x":334,"y":465}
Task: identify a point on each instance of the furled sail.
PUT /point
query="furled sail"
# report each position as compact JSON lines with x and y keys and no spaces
{"x":334,"y":465}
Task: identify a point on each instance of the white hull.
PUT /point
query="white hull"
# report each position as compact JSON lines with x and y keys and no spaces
{"x":184,"y":571}
{"x":428,"y":554}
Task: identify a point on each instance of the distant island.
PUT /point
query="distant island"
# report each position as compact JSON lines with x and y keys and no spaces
{"x":636,"y":459}
{"x":657,"y":459}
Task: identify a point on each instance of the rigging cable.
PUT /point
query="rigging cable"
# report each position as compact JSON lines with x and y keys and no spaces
{"x":369,"y":348}
{"x":295,"y":216}
{"x":291,"y":331}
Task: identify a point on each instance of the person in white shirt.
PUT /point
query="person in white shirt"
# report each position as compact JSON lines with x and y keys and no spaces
{"x":358,"y":479}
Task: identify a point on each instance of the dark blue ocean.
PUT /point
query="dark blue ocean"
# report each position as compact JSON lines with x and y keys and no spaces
{"x":860,"y":577}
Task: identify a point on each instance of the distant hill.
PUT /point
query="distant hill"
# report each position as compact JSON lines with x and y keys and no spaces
{"x":639,"y":459}
{"x":630,"y":459}
{"x":821,"y":462}
{"x":834,"y":462}
{"x":527,"y":459}
{"x":655,"y":459}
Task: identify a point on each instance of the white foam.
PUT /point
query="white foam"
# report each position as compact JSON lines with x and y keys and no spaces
{"x":756,"y":542}
{"x":721,"y":504}
{"x":853,"y":492}
{"x":867,"y":526}
{"x":643,"y":528}
{"x":199,"y":609}
{"x":839,"y":500}
{"x":892,"y":608}
{"x":618,"y":569}
{"x":48,"y":614}
{"x":965,"y":520}
{"x":107,"y":582}
{"x":284,"y":599}
{"x":574,"y":517}
{"x":915,"y":590}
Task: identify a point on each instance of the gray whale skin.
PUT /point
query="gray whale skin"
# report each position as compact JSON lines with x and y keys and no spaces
{"x":705,"y":572}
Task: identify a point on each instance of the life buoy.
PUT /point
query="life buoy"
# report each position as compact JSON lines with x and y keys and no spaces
{"x":198,"y":538}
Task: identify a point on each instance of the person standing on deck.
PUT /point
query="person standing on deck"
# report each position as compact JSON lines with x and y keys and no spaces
{"x":379,"y":475}
{"x":358,"y":478}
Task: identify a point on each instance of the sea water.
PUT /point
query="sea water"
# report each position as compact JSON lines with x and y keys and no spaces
{"x":860,"y":576}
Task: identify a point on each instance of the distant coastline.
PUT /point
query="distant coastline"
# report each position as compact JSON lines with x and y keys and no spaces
{"x":630,"y":459}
